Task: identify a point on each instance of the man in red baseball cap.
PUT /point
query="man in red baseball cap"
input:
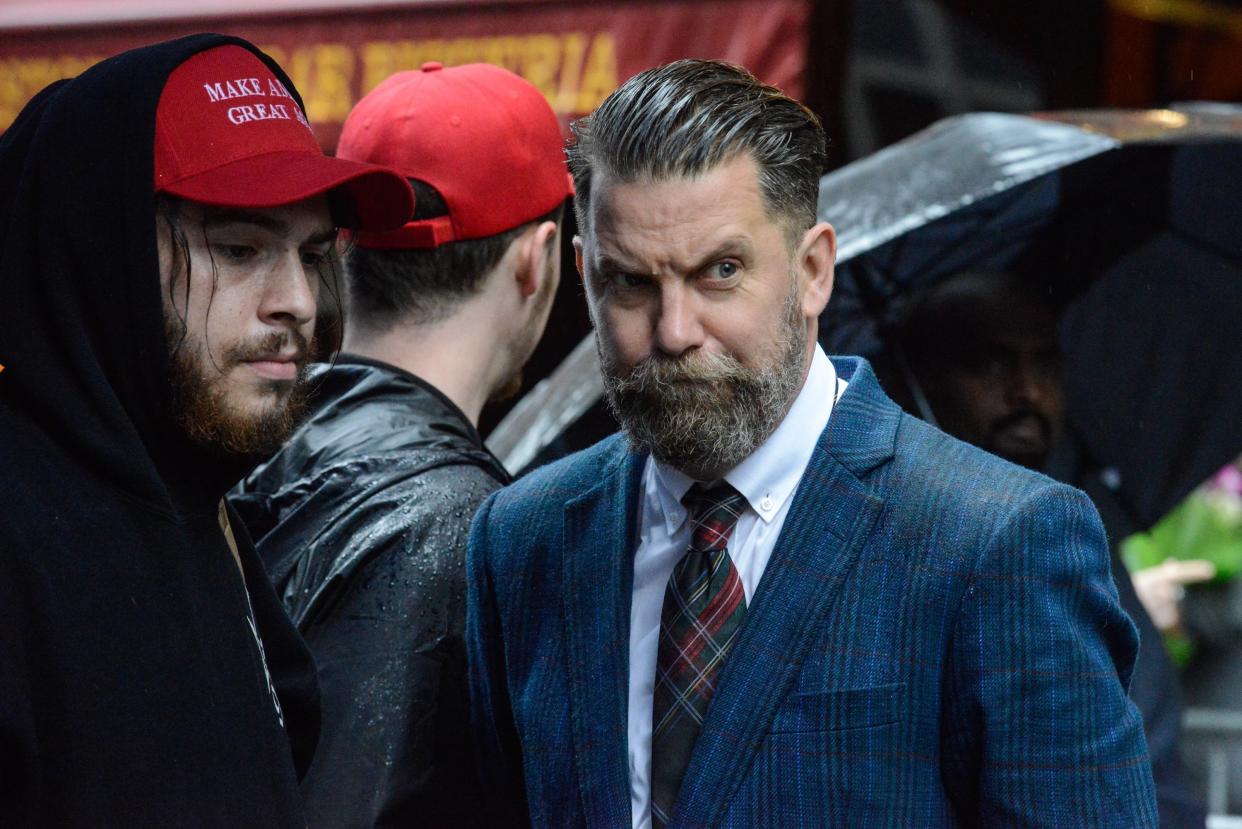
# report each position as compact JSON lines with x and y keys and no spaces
{"x":167,"y":218}
{"x":237,"y":166}
{"x":362,"y":518}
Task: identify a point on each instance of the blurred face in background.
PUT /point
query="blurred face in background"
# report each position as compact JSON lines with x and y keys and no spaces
{"x":987,"y":358}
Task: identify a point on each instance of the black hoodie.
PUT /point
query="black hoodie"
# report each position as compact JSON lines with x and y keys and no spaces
{"x":139,"y":681}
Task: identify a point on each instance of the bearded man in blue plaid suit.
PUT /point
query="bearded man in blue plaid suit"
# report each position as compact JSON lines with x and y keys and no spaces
{"x":776,"y":600}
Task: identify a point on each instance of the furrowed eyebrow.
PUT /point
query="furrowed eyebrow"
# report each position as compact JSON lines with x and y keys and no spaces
{"x":737,"y":247}
{"x":605,"y":262}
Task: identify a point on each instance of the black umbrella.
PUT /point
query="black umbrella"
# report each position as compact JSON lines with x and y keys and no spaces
{"x":1132,"y":214}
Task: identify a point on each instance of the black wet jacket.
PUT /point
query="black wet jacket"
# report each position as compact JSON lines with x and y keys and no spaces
{"x":139,"y":674}
{"x":362,"y":520}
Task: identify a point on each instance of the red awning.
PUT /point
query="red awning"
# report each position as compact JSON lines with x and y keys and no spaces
{"x":24,"y":14}
{"x":337,"y":50}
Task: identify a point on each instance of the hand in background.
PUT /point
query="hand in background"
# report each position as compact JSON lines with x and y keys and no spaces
{"x":1161,"y":588}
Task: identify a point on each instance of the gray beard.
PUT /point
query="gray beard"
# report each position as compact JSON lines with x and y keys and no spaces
{"x":705,"y":413}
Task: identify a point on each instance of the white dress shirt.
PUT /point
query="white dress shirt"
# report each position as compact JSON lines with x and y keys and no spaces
{"x":767,"y":480}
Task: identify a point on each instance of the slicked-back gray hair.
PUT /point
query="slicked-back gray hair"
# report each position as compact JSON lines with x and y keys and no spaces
{"x":685,"y":118}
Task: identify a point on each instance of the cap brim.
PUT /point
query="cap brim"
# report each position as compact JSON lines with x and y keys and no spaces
{"x":363,"y":196}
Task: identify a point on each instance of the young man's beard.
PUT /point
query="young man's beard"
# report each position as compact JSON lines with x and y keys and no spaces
{"x":202,"y":407}
{"x":705,"y":413}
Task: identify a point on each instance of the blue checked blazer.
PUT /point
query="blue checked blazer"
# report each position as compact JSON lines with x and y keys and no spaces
{"x":936,"y":642}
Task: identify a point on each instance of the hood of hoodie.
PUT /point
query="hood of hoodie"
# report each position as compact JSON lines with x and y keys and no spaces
{"x":141,"y":676}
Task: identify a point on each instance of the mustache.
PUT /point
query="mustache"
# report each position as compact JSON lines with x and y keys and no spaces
{"x":276,"y":342}
{"x":1045,"y":426}
{"x":655,"y":372}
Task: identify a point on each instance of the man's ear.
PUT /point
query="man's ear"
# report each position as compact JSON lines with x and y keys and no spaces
{"x":578,"y":255}
{"x":817,"y":257}
{"x":535,"y":249}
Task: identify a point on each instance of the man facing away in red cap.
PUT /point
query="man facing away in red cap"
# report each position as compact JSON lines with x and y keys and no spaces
{"x":362,"y":519}
{"x":167,"y":218}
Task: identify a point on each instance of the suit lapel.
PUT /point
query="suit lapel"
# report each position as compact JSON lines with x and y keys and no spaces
{"x":599,"y":544}
{"x":828,"y":524}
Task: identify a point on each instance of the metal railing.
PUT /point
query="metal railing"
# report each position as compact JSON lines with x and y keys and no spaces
{"x":1219,"y":733}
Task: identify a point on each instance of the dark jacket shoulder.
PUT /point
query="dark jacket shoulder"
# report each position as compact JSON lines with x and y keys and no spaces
{"x":372,"y":433}
{"x":362,"y":520}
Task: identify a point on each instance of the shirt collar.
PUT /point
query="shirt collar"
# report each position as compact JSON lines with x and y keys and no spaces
{"x":769,"y":476}
{"x":670,"y":486}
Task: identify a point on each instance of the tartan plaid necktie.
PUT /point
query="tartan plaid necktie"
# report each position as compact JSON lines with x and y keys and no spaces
{"x":704,"y":605}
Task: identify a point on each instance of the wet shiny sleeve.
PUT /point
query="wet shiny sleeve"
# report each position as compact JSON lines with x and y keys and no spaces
{"x":395,"y":747}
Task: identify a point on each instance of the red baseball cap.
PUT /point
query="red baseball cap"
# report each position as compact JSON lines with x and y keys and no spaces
{"x":483,"y":137}
{"x":229,"y":133}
